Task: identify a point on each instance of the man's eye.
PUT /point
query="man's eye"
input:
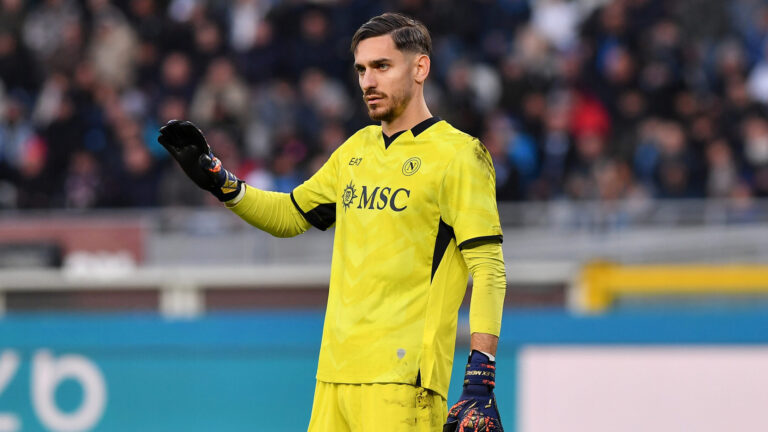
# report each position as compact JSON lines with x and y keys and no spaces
{"x":383,"y":66}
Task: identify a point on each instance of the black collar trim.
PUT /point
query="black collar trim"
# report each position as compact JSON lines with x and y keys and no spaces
{"x":419,"y":128}
{"x":389,"y":140}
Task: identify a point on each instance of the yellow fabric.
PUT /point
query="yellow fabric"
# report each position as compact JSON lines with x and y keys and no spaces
{"x":376,"y":408}
{"x":272,"y":212}
{"x":489,"y":285}
{"x":389,"y":318}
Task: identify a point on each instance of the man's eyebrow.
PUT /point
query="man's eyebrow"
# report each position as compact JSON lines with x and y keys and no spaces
{"x":374,"y":62}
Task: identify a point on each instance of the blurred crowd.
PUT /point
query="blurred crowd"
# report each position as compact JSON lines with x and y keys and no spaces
{"x":576,"y":100}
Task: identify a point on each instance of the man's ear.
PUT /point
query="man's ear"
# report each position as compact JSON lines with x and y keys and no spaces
{"x":421,"y":68}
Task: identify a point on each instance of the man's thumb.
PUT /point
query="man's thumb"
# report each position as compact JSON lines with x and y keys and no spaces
{"x":209,"y":164}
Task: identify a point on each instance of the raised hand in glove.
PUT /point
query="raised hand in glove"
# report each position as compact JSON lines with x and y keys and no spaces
{"x":476,"y":410}
{"x":187,"y":144}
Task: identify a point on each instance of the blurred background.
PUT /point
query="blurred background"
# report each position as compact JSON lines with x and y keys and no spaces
{"x":630,"y":141}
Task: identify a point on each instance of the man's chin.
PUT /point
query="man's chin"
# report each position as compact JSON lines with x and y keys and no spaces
{"x":380,"y":115}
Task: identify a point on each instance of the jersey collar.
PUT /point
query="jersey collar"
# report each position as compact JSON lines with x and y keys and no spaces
{"x":419,"y":128}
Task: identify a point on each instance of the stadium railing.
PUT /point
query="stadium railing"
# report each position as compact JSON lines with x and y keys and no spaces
{"x":180,"y":259}
{"x":182,"y":289}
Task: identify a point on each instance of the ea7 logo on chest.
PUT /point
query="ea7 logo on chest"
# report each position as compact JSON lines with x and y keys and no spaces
{"x":375,"y":198}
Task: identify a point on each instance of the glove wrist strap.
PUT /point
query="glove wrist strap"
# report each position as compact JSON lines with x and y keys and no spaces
{"x":480,"y":370}
{"x":236,"y":200}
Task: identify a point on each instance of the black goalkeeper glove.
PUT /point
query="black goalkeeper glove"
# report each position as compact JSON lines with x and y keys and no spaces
{"x":476,"y":410}
{"x":187,"y":144}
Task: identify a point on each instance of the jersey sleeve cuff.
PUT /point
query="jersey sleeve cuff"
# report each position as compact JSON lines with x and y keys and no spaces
{"x":477,"y":241}
{"x":321,"y":217}
{"x":479,"y":325}
{"x":239,"y":197}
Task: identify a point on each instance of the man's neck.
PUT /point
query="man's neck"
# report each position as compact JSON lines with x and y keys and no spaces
{"x":415,"y":113}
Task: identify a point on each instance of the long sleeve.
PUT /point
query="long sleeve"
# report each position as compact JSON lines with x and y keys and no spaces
{"x":273,"y":212}
{"x":486,"y":264}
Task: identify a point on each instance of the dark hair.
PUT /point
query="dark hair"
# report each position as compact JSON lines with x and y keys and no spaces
{"x":407,"y":33}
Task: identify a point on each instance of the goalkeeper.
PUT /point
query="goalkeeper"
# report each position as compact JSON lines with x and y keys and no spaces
{"x":414,"y":209}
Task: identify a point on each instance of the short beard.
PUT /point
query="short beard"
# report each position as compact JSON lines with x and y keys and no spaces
{"x":399,"y":102}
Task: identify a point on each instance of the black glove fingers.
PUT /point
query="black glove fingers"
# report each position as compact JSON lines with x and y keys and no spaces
{"x":187,"y":144}
{"x":185,"y":131}
{"x":192,"y":136}
{"x":169,"y":128}
{"x":170,"y":137}
{"x":180,"y":135}
{"x":167,"y":144}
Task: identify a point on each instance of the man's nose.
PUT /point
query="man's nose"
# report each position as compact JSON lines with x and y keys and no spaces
{"x":367,"y":81}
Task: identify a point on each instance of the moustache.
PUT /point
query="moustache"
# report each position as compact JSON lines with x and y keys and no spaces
{"x":371,"y":93}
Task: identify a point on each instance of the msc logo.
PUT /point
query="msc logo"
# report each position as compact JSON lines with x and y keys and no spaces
{"x":411,"y":166}
{"x":348,"y":196}
{"x":376,"y":198}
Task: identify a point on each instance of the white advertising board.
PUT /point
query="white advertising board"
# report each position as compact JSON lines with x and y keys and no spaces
{"x":643,"y":388}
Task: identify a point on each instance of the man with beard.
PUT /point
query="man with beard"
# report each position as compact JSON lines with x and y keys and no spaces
{"x":414,"y":209}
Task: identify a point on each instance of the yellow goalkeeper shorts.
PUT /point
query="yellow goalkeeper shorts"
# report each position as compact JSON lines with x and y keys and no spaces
{"x":376,"y":408}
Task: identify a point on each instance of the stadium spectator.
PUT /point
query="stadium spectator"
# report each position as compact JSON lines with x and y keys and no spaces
{"x":565,"y":93}
{"x":221,"y":99}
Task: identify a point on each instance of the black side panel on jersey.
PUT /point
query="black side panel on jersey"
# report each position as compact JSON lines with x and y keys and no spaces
{"x":443,"y":239}
{"x":321,"y":217}
{"x":477,"y":241}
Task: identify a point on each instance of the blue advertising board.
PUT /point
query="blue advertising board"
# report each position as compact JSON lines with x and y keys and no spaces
{"x":255,"y":371}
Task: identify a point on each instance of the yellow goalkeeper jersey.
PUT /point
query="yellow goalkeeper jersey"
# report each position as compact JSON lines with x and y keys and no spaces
{"x":402,"y":208}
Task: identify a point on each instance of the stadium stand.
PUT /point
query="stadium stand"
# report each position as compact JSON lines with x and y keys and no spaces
{"x":576,"y":100}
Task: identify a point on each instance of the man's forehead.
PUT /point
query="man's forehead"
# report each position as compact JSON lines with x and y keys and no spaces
{"x":376,"y":48}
